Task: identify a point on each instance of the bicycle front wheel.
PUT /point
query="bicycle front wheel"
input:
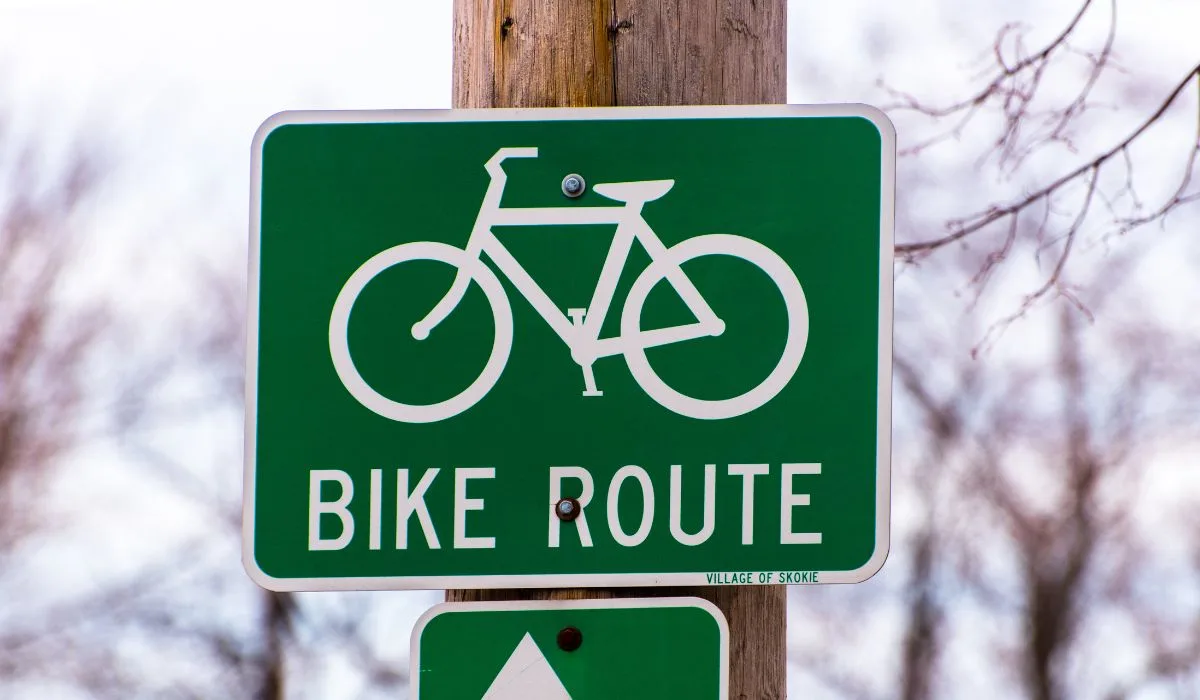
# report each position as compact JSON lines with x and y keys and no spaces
{"x":796,"y":313}
{"x":339,"y":335}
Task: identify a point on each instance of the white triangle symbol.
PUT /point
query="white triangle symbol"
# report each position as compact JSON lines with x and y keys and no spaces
{"x":526,"y":676}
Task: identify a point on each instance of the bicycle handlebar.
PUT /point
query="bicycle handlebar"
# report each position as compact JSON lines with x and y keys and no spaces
{"x":493,"y":165}
{"x":529,"y":152}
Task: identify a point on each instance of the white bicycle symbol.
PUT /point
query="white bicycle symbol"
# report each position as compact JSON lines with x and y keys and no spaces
{"x":581,"y":332}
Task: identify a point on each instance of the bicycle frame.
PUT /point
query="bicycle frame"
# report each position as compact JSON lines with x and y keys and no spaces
{"x":582,"y":338}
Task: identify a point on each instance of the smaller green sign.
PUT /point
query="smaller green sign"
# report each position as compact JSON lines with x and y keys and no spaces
{"x":632,"y":648}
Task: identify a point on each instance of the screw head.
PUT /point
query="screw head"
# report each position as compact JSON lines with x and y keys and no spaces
{"x":573,"y":185}
{"x":567,"y":509}
{"x":569,"y":639}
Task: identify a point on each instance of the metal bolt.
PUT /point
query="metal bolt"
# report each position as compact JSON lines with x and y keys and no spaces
{"x":573,"y":185}
{"x":569,"y":639}
{"x":567,"y":509}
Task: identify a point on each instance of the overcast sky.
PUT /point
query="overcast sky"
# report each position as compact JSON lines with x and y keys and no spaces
{"x":177,"y":89}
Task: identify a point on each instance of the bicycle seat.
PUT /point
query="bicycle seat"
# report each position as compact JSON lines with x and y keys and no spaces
{"x":644,"y":191}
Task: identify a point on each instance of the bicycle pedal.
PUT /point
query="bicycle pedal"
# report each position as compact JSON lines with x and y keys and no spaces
{"x":589,"y":383}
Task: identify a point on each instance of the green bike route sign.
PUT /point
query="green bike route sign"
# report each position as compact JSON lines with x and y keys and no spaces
{"x":673,"y":322}
{"x":634,"y":649}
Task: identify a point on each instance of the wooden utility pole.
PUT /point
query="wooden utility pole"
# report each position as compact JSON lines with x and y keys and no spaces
{"x":602,"y":53}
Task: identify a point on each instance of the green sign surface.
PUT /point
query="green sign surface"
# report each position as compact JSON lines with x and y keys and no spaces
{"x":678,"y":317}
{"x":633,"y":649}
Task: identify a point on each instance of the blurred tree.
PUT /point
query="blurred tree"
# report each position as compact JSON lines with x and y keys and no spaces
{"x":1024,"y":104}
{"x":46,"y":341}
{"x":1028,"y":560}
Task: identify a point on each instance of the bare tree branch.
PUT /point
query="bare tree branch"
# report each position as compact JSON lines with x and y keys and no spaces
{"x":962,"y":228}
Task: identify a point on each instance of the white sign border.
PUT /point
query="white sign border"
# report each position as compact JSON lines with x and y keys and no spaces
{"x":414,"y":645}
{"x":887,"y":133}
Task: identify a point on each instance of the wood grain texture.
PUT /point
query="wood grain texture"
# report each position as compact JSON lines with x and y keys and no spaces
{"x":577,"y":53}
{"x":532,"y":53}
{"x":688,"y":52}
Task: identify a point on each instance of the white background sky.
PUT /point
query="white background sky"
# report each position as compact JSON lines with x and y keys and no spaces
{"x":176,"y":90}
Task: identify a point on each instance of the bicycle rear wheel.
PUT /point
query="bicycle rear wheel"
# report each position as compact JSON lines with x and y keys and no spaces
{"x":795,"y":306}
